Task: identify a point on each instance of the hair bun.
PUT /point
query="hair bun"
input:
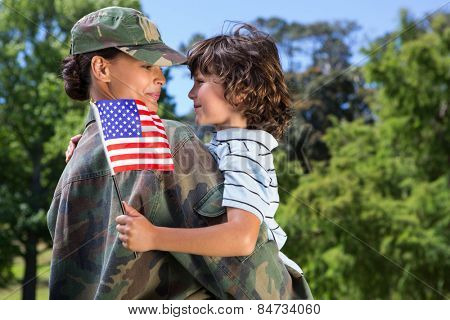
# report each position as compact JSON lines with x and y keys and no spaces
{"x":75,"y":82}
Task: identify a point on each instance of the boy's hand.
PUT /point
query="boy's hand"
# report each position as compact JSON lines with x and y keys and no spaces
{"x":135,"y":231}
{"x":72,"y":145}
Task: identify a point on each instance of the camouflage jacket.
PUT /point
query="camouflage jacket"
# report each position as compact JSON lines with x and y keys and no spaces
{"x":89,"y":261}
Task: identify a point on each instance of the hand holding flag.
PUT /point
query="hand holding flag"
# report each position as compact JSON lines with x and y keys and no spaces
{"x":133,"y":138}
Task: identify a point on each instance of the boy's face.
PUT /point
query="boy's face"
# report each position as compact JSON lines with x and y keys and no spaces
{"x":135,"y":79}
{"x":210,"y":105}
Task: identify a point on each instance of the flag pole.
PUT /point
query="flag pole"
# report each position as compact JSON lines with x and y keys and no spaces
{"x":120,"y":201}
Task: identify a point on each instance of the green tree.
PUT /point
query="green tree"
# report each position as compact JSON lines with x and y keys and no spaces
{"x":166,"y":103}
{"x":318,"y":56}
{"x":373,"y":221}
{"x":412,"y":74}
{"x":324,"y":43}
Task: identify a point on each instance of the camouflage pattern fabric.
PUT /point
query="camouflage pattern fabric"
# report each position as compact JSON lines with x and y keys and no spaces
{"x":126,"y":29}
{"x":89,"y":261}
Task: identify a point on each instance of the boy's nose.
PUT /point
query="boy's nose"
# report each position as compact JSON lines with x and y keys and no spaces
{"x":191,"y":94}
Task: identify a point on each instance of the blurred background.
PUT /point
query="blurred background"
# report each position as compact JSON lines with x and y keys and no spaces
{"x":364,"y":171}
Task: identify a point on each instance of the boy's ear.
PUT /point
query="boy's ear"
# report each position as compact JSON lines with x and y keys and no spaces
{"x":100,"y":69}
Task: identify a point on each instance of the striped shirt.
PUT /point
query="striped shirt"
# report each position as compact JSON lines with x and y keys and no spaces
{"x":245,"y":159}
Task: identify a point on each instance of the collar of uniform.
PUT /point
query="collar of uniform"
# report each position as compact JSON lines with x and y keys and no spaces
{"x":260,"y":136}
{"x":90,"y":116}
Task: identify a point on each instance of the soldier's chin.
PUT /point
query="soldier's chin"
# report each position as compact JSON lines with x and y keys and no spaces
{"x":151,"y":106}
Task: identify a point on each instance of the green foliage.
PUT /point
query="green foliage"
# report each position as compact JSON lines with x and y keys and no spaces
{"x":320,"y":81}
{"x":288,"y":173}
{"x":166,"y":104}
{"x":413,"y":78}
{"x":322,"y":42}
{"x":369,"y":200}
{"x":373,"y":222}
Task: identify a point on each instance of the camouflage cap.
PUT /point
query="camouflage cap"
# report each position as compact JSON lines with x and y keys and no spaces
{"x":127,"y":30}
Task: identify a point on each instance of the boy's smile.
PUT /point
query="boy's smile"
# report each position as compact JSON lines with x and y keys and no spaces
{"x":210,"y":105}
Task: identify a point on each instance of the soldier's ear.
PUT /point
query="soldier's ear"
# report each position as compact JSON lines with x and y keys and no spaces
{"x":100,"y":68}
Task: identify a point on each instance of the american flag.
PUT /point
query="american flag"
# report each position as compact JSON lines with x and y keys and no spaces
{"x":133,"y":137}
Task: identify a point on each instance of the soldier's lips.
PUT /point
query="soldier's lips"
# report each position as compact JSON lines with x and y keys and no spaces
{"x":197,"y":106}
{"x":153,"y":96}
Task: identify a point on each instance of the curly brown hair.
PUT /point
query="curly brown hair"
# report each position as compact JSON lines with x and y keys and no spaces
{"x":248,"y":65}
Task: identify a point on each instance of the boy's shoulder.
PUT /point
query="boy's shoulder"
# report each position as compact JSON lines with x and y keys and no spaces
{"x":245,"y":137}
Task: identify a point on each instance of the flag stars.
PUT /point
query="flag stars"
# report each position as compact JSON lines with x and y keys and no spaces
{"x":120,"y":119}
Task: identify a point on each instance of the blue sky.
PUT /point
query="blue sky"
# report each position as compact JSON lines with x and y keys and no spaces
{"x":178,"y":20}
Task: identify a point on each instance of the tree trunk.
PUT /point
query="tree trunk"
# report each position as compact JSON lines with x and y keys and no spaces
{"x":29,"y":278}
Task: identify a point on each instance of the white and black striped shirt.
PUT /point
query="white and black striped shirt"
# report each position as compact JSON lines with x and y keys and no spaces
{"x":245,"y":158}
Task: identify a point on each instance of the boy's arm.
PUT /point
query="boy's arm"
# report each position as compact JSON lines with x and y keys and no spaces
{"x":236,"y":237}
